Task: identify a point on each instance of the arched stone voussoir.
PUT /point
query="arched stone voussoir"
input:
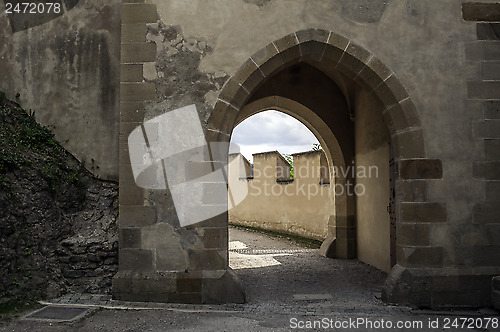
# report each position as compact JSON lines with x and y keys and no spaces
{"x":233,"y":93}
{"x":312,"y":43}
{"x":289,"y":49}
{"x":222,"y":117}
{"x":409,"y":144}
{"x":249,"y":75}
{"x":401,"y":117}
{"x":335,"y":48}
{"x":391,"y":91}
{"x":268,"y":60}
{"x":373,"y":74}
{"x":353,"y":60}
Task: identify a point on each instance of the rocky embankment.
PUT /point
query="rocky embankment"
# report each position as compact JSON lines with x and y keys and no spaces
{"x":58,"y":223}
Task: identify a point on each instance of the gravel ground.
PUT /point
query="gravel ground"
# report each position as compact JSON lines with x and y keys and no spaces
{"x":287,"y":284}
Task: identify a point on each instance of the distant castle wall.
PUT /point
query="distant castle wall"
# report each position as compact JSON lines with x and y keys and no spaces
{"x":299,"y":206}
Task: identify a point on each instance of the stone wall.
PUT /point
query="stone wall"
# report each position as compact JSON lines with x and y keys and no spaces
{"x":300,"y":206}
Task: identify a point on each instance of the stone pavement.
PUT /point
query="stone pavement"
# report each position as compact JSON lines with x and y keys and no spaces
{"x":287,"y":286}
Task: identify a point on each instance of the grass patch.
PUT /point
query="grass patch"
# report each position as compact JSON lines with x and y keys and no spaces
{"x":310,"y":243}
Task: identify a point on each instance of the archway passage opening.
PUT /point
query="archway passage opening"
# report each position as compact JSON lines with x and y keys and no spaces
{"x":284,"y":169}
{"x":367,"y":111}
{"x":357,"y":150}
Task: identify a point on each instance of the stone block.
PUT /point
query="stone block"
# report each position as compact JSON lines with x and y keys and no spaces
{"x":411,"y":256}
{"x":268,"y":60}
{"x":492,"y":189}
{"x":486,"y":129}
{"x":130,"y":238}
{"x":214,"y":193}
{"x":189,"y":285}
{"x":137,"y":91}
{"x":249,"y":76}
{"x":491,"y":109}
{"x":373,"y":74}
{"x":143,"y":286}
{"x":131,"y":195}
{"x":421,"y":169}
{"x":423,"y":212}
{"x":200,"y":259}
{"x":288,"y":48}
{"x":492,"y":149}
{"x":135,"y":259}
{"x":353,"y":60}
{"x":477,"y":256}
{"x":134,"y":33}
{"x":401,"y":116}
{"x":313,"y":35}
{"x":328,"y":247}
{"x":490,"y":70}
{"x":312,"y":50}
{"x":138,"y":52}
{"x":482,"y":50}
{"x":411,"y":234}
{"x":487,"y":212}
{"x":136,"y":216}
{"x":215,"y":135}
{"x":227,"y":289}
{"x":482,"y":12}
{"x":411,"y":190}
{"x":232,"y":93}
{"x":483,"y":89}
{"x":215,"y":238}
{"x":195,"y":170}
{"x":223,"y":117}
{"x":409,"y":144}
{"x":488,"y":170}
{"x":139,"y":13}
{"x":488,"y":31}
{"x":126,"y":176}
{"x":170,"y":258}
{"x":132,"y":111}
{"x":131,"y":73}
{"x":338,"y":42}
{"x":124,"y":159}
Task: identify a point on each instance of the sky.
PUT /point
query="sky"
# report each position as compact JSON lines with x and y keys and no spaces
{"x":272,"y":130}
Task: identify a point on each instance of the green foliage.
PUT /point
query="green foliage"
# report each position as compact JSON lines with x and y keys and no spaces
{"x":25,"y":143}
{"x":317,"y":147}
{"x":289,"y":158}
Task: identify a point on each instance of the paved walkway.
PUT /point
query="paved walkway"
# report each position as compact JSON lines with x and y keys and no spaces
{"x":288,"y":286}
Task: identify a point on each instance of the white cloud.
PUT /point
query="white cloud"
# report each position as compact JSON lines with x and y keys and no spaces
{"x":272,"y":130}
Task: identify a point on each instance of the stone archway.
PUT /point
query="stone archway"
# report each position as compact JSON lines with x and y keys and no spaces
{"x":327,"y":50}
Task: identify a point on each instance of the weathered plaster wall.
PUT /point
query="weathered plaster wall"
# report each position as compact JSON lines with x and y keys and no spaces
{"x":300,"y":207}
{"x":67,"y":70}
